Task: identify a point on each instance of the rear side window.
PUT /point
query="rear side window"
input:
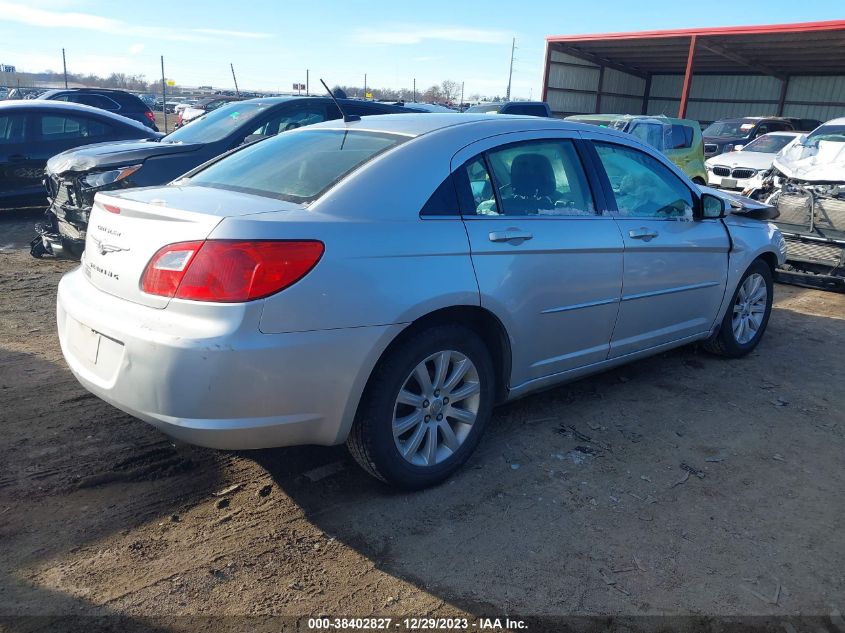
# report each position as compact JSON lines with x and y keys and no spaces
{"x":12,"y":128}
{"x":540,"y":178}
{"x":297,"y":167}
{"x":55,"y":128}
{"x":529,"y":110}
{"x":681,"y":137}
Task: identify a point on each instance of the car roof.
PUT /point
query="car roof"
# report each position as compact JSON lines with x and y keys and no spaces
{"x":427,"y":122}
{"x":53,"y":91}
{"x":784,"y":133}
{"x":64,"y":106}
{"x":839,"y":121}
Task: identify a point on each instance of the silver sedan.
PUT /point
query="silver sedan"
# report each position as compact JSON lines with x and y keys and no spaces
{"x":386,"y":282}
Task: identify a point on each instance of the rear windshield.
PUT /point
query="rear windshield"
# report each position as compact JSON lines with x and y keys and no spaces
{"x":295,"y":166}
{"x":217,"y":124}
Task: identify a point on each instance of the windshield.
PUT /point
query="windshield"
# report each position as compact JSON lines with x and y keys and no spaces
{"x":295,"y":166}
{"x":594,"y":121}
{"x":490,"y":108}
{"x":769,"y":143}
{"x":217,"y":124}
{"x":729,"y":128}
{"x":835,"y":133}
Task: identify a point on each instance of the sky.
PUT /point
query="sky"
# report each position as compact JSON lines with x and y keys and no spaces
{"x":272,"y":43}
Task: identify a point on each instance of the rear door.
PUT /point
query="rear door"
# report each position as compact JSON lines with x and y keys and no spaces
{"x":548,"y":262}
{"x":675,"y":265}
{"x":57,"y":131}
{"x":21,"y":166}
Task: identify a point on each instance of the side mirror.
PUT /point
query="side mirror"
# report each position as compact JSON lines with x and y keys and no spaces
{"x":712,"y":206}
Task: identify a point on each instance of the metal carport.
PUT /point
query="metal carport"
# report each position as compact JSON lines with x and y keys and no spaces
{"x":793,"y":70}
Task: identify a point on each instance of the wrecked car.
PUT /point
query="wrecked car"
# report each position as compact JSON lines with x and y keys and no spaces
{"x":74,"y":177}
{"x":807,"y":186}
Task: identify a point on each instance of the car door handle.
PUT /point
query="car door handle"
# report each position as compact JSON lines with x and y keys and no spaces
{"x":512,"y":235}
{"x":643,"y":234}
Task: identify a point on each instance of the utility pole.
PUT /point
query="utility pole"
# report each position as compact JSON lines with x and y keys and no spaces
{"x":462,"y":95}
{"x":510,"y":73}
{"x":415,"y":89}
{"x":64,"y":65}
{"x":307,"y":82}
{"x":237,"y":92}
{"x":365,"y":85}
{"x":164,"y":95}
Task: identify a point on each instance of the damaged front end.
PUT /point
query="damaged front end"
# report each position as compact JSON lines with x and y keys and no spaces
{"x":70,"y":193}
{"x":807,"y":186}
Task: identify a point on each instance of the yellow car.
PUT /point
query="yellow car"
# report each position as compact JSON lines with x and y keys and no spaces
{"x":679,"y":139}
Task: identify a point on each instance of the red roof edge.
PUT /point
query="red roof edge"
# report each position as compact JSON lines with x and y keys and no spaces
{"x":797,"y":27}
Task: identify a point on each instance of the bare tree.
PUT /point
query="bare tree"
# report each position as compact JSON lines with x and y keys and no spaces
{"x":451,"y":90}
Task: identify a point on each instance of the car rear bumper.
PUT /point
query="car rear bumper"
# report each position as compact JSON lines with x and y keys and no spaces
{"x":216,"y":382}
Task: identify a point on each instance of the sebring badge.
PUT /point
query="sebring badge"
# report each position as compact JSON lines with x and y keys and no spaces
{"x":105,"y":248}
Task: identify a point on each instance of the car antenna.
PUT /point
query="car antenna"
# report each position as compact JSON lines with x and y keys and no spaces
{"x":347,"y":118}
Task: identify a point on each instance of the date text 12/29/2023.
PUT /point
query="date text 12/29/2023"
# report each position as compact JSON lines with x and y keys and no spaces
{"x":415,"y":624}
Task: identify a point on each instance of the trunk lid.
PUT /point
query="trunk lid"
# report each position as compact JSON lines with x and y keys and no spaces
{"x":126,"y":229}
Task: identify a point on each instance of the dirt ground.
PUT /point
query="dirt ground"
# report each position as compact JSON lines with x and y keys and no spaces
{"x":575,"y":503}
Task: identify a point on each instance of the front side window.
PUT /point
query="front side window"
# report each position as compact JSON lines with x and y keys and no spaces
{"x":642,"y":185}
{"x":12,"y":128}
{"x":297,"y":167}
{"x":540,"y":178}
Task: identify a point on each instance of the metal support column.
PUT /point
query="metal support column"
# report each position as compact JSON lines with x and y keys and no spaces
{"x":682,"y":110}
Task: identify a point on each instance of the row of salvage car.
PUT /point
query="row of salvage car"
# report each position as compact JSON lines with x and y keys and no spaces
{"x":803,"y":177}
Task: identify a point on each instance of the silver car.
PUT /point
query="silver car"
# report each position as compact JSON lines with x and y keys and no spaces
{"x":386,"y":282}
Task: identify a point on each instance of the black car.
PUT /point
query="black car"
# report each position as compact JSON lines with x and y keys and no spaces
{"x":728,"y":134}
{"x":32,"y":131}
{"x":116,"y":101}
{"x":522,"y":108}
{"x":74,"y":177}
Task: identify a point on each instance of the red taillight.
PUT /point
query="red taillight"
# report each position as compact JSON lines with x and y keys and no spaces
{"x":150,"y":116}
{"x":111,"y":208}
{"x":229,"y":271}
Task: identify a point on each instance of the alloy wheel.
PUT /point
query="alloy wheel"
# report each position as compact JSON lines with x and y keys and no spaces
{"x":749,"y":308}
{"x":436,"y":407}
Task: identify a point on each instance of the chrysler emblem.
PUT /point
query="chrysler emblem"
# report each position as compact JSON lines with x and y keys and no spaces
{"x":105,"y":248}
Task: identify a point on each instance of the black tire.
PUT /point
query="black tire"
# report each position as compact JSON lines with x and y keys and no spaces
{"x":724,"y":342}
{"x":371,"y":440}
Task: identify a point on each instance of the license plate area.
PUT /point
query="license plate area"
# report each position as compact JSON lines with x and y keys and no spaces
{"x":729,"y":183}
{"x":84,"y":340}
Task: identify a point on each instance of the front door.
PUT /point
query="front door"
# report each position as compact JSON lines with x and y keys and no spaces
{"x":675,"y":265}
{"x":548,"y":263}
